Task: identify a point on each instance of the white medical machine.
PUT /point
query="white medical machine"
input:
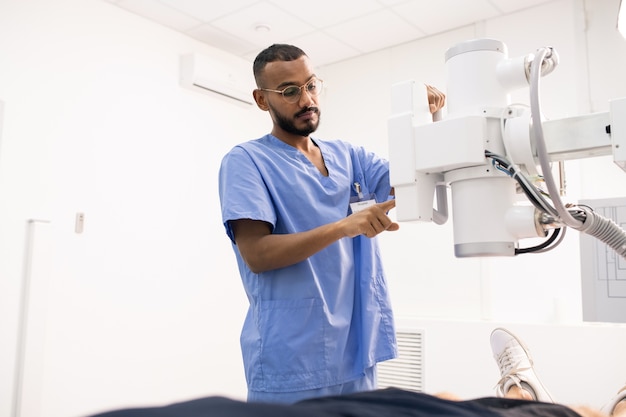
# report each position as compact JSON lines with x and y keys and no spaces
{"x":496,"y":158}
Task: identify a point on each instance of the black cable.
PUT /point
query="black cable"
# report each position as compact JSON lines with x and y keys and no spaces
{"x":536,"y":197}
{"x":542,"y":246}
{"x":532,"y":193}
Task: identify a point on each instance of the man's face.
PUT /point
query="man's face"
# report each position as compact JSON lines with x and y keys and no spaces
{"x":300,"y":118}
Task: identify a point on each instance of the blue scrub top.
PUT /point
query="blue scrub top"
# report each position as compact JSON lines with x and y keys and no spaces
{"x":324,"y":320}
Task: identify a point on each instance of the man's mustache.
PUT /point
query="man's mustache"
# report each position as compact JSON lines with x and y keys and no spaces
{"x":307,"y":109}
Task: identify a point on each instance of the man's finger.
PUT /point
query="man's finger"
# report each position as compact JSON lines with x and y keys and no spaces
{"x":387,"y":205}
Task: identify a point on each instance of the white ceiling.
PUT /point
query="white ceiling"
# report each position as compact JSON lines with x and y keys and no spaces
{"x":327,"y":30}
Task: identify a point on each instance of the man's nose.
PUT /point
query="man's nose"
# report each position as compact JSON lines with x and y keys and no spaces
{"x":306,"y":98}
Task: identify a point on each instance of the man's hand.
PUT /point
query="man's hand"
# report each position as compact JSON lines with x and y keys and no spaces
{"x":370,"y":221}
{"x":436,"y":99}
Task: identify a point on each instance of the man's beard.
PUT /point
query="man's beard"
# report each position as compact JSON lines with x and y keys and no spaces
{"x":288,"y":125}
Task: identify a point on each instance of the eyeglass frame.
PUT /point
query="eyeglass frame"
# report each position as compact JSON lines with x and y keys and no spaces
{"x":300,"y":90}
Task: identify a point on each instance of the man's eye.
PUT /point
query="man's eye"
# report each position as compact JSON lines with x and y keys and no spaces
{"x":291,"y":91}
{"x":312,"y":86}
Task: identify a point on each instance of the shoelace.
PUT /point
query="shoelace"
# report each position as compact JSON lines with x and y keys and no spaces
{"x":509,"y":369}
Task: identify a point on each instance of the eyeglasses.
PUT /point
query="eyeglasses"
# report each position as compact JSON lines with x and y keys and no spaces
{"x":292,"y":93}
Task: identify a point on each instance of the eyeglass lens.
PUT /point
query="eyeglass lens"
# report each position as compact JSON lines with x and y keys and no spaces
{"x":313,"y":88}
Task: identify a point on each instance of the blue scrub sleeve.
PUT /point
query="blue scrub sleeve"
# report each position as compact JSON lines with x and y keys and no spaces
{"x":243,"y":194}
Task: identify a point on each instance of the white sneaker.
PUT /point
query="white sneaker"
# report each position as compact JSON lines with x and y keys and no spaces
{"x":610,"y":406}
{"x":516,"y":366}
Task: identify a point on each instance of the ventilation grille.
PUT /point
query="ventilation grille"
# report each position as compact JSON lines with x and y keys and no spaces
{"x":407,"y":370}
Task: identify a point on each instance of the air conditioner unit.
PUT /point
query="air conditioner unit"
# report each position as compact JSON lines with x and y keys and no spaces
{"x":227,"y":77}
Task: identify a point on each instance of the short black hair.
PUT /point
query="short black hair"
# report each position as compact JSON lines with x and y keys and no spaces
{"x":275,"y":52}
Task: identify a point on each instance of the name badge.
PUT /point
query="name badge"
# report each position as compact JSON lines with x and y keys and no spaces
{"x":361,"y":201}
{"x":361,"y":205}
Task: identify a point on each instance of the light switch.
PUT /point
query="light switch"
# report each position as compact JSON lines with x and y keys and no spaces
{"x":80,"y":222}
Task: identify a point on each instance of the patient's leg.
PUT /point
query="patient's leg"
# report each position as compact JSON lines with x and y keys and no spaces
{"x":519,"y":393}
{"x":448,"y":396}
{"x":518,"y":378}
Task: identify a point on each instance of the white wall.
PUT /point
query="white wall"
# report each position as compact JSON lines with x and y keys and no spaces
{"x":145,"y":306}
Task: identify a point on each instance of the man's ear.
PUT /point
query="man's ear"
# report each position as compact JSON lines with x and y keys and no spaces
{"x":259,"y":98}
